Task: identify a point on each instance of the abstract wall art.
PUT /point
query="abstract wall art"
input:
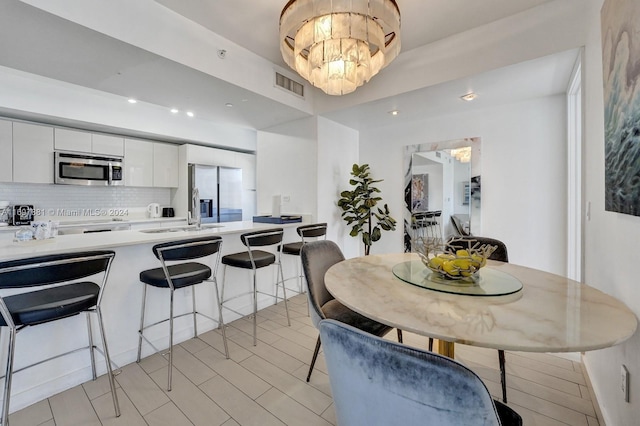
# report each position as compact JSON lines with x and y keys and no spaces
{"x":621,"y":78}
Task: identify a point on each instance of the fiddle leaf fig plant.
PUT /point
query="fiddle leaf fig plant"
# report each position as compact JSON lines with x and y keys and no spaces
{"x":359,"y":208}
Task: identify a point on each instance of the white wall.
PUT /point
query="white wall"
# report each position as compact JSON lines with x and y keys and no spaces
{"x":610,"y":244}
{"x":523,"y":174}
{"x":286,"y":165}
{"x":337,"y":152}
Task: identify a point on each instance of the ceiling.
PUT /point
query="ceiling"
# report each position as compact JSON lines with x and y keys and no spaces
{"x":49,"y":46}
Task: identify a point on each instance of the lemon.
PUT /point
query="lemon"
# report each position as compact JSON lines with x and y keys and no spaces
{"x":436,"y":262}
{"x":464,"y":264}
{"x":462,"y":253}
{"x":481,"y":261}
{"x":446,"y":256}
{"x":450,"y":268}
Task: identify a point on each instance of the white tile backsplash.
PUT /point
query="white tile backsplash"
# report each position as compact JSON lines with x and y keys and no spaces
{"x":71,"y":197}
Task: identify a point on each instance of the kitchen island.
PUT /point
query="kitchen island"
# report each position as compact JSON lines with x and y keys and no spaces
{"x":122,"y":301}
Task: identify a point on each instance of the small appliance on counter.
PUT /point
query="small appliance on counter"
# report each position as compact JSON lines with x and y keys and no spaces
{"x":4,"y":213}
{"x":168,"y":212}
{"x":154,"y":210}
{"x":22,"y":215}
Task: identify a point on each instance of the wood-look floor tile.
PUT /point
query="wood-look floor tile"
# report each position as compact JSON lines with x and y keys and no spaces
{"x":129,"y":415}
{"x":140,"y":389}
{"x":592,"y":421}
{"x":271,"y":354}
{"x":319,"y":379}
{"x":234,"y":373}
{"x":153,"y":362}
{"x":236,"y":352}
{"x":562,"y":373}
{"x":288,"y":410}
{"x":330,"y":415}
{"x":239,"y":406}
{"x":262,"y":334}
{"x":194,"y":345}
{"x":296,"y":336}
{"x":189,"y":365}
{"x":35,"y":414}
{"x":73,"y":407}
{"x":532,"y":418}
{"x":98,"y":387}
{"x":231,"y":422}
{"x":167,"y":415}
{"x":293,"y":387}
{"x":194,"y":404}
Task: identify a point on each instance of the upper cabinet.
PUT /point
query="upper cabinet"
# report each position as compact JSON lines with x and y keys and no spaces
{"x":75,"y":140}
{"x":32,"y":153}
{"x":165,"y":165}
{"x":71,"y":140}
{"x":138,"y":163}
{"x":107,"y":145}
{"x":6,"y":148}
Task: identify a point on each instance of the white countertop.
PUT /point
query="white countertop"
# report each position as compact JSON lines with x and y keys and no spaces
{"x":107,"y":240}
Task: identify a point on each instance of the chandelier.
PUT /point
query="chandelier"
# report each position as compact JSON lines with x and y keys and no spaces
{"x":338,"y":45}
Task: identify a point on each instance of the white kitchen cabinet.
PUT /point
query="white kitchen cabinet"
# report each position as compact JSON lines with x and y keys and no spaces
{"x":107,"y":145}
{"x":6,"y":151}
{"x":247,"y":162}
{"x":138,"y":163}
{"x":165,"y":165}
{"x":32,"y":153}
{"x":71,"y":140}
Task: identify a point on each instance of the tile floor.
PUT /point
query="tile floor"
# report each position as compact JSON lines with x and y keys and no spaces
{"x":265,"y":384}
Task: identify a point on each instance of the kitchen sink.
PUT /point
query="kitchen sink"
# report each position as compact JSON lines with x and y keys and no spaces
{"x":180,"y":228}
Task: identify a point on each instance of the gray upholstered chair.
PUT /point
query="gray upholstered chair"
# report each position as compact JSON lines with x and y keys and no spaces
{"x":317,"y":258}
{"x":501,"y":255}
{"x":379,"y":382}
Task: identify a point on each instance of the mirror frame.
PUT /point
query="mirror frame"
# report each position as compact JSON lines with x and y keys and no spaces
{"x":409,"y":150}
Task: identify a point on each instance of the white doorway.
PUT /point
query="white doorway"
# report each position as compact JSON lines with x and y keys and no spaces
{"x":574,"y":173}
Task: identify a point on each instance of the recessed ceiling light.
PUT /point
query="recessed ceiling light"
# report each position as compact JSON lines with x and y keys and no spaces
{"x":394,"y":112}
{"x":469,"y":97}
{"x":189,"y":113}
{"x":229,"y":105}
{"x":132,"y":101}
{"x":174,"y":110}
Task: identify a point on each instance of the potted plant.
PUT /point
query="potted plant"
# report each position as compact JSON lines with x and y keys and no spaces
{"x":359,"y":208}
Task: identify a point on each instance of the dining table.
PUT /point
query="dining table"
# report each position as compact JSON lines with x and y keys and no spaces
{"x":508,"y":307}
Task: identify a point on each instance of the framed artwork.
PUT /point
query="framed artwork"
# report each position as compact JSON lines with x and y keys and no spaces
{"x":420,"y":192}
{"x":621,"y":79}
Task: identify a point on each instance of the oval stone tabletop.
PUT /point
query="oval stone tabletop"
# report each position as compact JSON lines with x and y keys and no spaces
{"x":550,"y":314}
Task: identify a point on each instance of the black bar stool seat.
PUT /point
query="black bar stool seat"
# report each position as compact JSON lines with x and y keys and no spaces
{"x":182,"y":275}
{"x":292,"y":248}
{"x":243,"y":260}
{"x":38,"y":307}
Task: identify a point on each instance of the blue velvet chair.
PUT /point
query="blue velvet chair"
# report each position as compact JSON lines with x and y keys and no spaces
{"x":379,"y":382}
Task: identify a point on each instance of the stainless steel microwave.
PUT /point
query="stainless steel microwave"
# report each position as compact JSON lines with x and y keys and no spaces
{"x":72,"y":168}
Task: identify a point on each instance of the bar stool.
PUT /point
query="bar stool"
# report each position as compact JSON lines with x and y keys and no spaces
{"x":306,"y":232}
{"x":53,"y":297}
{"x":175,"y":276}
{"x":254,"y":260}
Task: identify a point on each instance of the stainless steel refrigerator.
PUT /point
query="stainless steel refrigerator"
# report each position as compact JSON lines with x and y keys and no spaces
{"x":220,"y":191}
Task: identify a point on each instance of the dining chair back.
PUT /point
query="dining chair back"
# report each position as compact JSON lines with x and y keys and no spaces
{"x":369,"y":375}
{"x":502,"y":255}
{"x":317,"y":258}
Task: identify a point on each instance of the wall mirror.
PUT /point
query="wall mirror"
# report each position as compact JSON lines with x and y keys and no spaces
{"x":442,"y":190}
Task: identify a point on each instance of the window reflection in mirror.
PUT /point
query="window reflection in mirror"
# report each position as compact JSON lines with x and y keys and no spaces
{"x":442,"y":190}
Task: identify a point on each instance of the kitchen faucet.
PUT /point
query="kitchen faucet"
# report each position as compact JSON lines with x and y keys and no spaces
{"x":194,"y":217}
